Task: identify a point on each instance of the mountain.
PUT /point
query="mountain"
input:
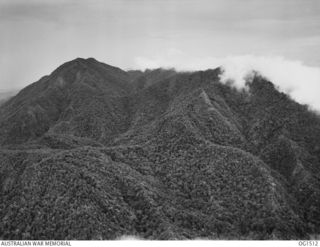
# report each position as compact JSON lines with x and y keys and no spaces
{"x":95,"y":152}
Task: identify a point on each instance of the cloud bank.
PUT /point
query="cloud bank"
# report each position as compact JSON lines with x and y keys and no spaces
{"x":300,"y":81}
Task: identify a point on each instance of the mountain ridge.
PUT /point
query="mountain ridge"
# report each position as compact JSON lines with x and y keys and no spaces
{"x":101,"y":152}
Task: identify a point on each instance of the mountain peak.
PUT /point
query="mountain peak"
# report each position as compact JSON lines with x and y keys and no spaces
{"x":89,"y":69}
{"x":87,"y":61}
{"x":81,"y":63}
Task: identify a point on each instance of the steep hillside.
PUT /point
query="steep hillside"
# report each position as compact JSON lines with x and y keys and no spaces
{"x":81,"y":97}
{"x":94,"y":152}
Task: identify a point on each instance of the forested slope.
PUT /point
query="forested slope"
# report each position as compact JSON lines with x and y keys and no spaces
{"x":95,"y":152}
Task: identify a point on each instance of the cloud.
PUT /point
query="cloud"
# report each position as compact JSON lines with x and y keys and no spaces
{"x":129,"y":238}
{"x":300,"y":81}
{"x":34,"y":10}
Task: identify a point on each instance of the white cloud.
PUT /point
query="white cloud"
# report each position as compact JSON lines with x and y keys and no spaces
{"x":129,"y":237}
{"x":300,"y":81}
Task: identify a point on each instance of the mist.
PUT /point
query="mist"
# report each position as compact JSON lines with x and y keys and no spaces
{"x":293,"y":77}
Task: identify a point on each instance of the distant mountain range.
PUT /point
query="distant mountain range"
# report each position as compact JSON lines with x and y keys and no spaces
{"x":7,"y":94}
{"x":95,"y":152}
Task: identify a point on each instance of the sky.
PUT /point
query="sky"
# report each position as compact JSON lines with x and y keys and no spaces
{"x":280,"y":38}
